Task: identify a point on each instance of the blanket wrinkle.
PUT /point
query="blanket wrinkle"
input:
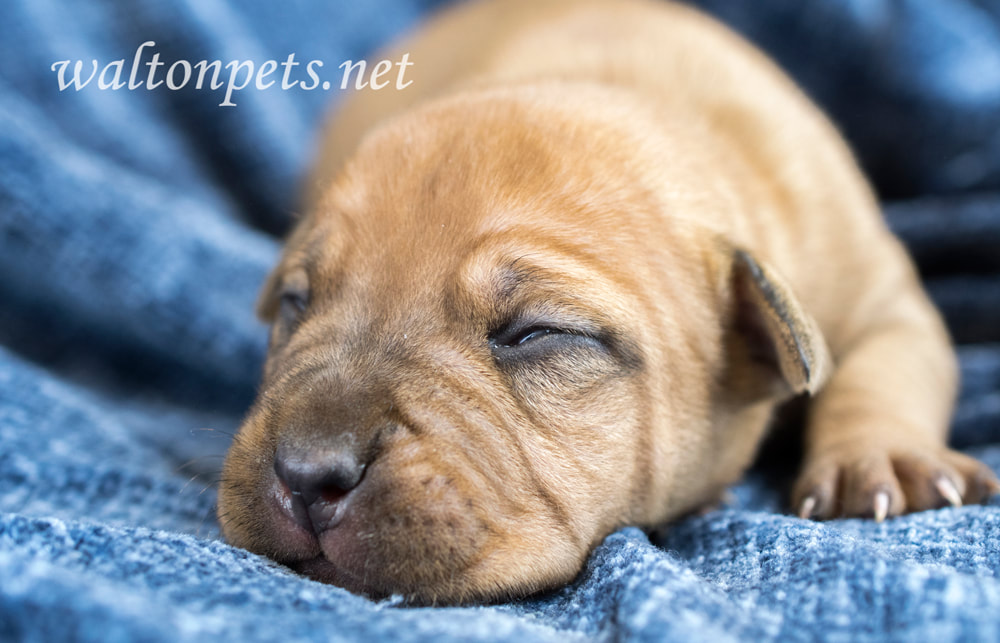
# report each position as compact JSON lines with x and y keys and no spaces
{"x":137,"y":226}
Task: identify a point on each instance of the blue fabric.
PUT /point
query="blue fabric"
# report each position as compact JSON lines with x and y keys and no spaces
{"x":136,"y":227}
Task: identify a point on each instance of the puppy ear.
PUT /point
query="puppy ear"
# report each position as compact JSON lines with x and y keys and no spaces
{"x":773,"y":329}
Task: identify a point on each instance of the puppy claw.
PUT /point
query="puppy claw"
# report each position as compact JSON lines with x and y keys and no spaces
{"x":881,"y":507}
{"x":948,"y":491}
{"x":881,"y":483}
{"x":807,"y":507}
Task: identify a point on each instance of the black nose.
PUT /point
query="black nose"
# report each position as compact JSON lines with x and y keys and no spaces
{"x":318,"y":479}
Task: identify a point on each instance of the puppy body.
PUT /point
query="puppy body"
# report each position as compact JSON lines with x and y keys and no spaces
{"x":559,"y":285}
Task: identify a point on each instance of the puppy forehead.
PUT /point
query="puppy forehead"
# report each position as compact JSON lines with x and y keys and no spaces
{"x":478,"y":154}
{"x":422,"y":193}
{"x":522,"y":269}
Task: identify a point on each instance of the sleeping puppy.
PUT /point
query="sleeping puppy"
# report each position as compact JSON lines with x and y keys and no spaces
{"x":560,"y":285}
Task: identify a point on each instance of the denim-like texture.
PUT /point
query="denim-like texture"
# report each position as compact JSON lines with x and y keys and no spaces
{"x":136,"y":227}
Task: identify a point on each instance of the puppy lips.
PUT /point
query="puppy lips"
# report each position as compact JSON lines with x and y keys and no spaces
{"x":338,"y":559}
{"x":296,"y":542}
{"x":323,"y":554}
{"x":323,"y":514}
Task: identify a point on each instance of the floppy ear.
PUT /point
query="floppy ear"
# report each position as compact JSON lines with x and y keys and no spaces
{"x":773,"y":330}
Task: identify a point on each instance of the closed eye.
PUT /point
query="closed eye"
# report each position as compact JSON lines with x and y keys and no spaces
{"x":517,"y":340}
{"x":569,"y":350}
{"x":292,"y":306}
{"x":520,"y":336}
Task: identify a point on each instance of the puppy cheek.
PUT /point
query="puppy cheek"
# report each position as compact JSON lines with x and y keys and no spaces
{"x":245,"y":476}
{"x":425,"y":524}
{"x":436,"y":499}
{"x":442,"y":537}
{"x":578,"y":382}
{"x":589,"y":407}
{"x":592,"y":445}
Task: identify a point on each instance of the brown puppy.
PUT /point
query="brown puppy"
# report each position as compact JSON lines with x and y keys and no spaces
{"x":560,"y":285}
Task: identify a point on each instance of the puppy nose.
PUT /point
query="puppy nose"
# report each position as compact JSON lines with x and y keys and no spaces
{"x":318,"y":474}
{"x":317,"y":479}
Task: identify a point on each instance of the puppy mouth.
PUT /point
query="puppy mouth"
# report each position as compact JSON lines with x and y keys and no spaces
{"x":319,"y":533}
{"x":316,"y":513}
{"x":300,"y":522}
{"x":323,"y":539}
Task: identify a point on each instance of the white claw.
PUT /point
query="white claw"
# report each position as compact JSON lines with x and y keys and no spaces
{"x":881,"y":506}
{"x":948,"y":491}
{"x":807,"y":507}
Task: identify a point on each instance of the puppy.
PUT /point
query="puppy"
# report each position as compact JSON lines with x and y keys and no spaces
{"x":560,"y":285}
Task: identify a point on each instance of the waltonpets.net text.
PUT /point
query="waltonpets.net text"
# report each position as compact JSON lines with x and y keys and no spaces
{"x":235,"y":75}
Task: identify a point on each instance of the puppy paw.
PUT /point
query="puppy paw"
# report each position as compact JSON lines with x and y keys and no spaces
{"x":877,"y":483}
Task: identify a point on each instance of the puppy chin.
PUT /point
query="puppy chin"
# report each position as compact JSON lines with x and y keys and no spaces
{"x":320,"y":569}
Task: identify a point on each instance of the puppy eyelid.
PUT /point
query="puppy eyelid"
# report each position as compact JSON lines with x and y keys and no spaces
{"x":513,"y":335}
{"x":534,"y":333}
{"x":294,"y":292}
{"x":295,"y":282}
{"x":296,"y":300}
{"x":511,"y":338}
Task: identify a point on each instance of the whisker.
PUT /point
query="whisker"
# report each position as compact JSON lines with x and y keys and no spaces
{"x":190,"y":480}
{"x":211,"y":430}
{"x":211,"y":485}
{"x":198,"y":459}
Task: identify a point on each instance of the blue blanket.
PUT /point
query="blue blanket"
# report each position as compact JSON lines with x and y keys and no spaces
{"x":136,"y":226}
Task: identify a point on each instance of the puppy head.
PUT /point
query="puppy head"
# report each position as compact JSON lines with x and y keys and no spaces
{"x":491,"y":345}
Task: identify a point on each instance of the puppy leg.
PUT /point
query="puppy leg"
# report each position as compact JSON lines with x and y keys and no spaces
{"x":875,"y":442}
